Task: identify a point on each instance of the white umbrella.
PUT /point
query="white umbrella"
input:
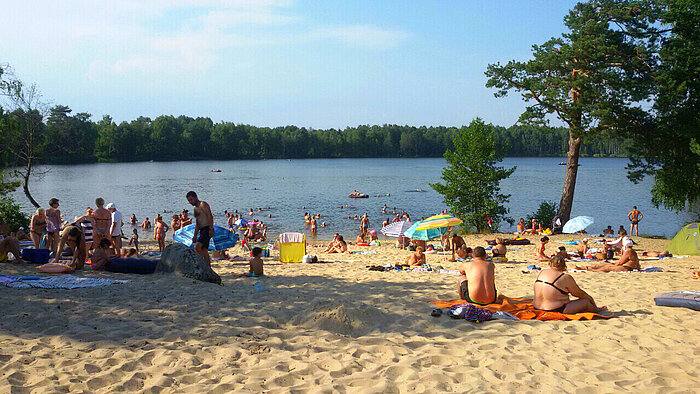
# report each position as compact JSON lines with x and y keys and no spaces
{"x":577,"y":224}
{"x":396,"y":229}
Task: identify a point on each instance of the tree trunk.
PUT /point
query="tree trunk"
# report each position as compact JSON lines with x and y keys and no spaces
{"x":28,"y":172}
{"x":567,"y":194}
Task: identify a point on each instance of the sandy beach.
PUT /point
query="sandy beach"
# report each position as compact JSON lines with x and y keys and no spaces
{"x":338,"y":327}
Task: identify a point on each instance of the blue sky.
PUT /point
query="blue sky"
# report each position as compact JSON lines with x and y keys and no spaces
{"x":276,"y":62}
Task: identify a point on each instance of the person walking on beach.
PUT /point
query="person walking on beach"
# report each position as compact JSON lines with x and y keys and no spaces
{"x":204,"y":227}
{"x":115,"y":229}
{"x":635,"y":217}
{"x":103,"y":222}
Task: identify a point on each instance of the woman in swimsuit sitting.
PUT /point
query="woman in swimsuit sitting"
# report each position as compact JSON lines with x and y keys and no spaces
{"x":499,"y":250}
{"x":340,"y":246}
{"x":540,"y":250}
{"x":553,"y":288}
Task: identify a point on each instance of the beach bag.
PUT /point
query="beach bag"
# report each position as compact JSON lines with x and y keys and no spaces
{"x":470,"y":312}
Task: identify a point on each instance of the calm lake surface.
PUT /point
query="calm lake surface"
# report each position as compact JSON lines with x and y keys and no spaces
{"x":322,"y":185}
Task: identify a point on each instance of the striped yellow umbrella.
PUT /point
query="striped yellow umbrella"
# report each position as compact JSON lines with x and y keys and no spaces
{"x":438,"y":221}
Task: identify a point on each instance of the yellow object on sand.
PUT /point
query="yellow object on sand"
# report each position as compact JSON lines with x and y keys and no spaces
{"x":292,"y":252}
{"x":55,"y":268}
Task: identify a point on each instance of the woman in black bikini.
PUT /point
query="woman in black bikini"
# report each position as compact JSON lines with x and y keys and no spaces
{"x":553,"y":288}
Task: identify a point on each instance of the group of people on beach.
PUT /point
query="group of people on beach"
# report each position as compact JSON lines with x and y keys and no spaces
{"x":634,"y":216}
{"x":98,"y":233}
{"x":99,"y":226}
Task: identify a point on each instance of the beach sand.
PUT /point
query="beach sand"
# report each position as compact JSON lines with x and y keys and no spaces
{"x":338,"y":327}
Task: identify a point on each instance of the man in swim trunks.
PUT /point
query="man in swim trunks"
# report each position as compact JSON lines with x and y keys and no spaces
{"x":204,"y":229}
{"x":635,"y":217}
{"x":477,"y":282}
{"x":628,"y":262}
{"x":457,"y":243}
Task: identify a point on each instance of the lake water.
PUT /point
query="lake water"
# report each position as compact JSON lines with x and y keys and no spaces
{"x":322,"y":185}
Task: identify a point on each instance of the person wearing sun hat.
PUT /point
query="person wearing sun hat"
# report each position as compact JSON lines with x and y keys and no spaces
{"x":116,"y":228}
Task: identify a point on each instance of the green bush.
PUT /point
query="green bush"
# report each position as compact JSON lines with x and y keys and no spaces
{"x":544,"y":214}
{"x":472,"y":179}
{"x":11,"y":214}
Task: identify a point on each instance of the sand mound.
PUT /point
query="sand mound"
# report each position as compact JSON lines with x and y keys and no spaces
{"x":330,"y":315}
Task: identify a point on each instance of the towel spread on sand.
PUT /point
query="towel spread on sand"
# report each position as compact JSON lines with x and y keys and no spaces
{"x":523,"y":309}
{"x":362,"y":252}
{"x":59,"y":282}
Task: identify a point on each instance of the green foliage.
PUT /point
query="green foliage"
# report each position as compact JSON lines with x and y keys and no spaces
{"x":592,"y":78}
{"x":75,"y":139}
{"x":472,"y":179}
{"x":544,"y":214}
{"x":667,"y":148}
{"x":7,"y":185}
{"x":11,"y":214}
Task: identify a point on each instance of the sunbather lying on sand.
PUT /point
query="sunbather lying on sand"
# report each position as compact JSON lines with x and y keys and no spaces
{"x":417,"y":258}
{"x":553,"y":287}
{"x":628,"y":262}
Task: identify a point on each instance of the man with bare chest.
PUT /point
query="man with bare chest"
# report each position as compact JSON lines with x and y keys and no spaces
{"x":204,"y":227}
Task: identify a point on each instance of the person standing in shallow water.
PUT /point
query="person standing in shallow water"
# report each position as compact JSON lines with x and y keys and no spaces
{"x":204,"y":227}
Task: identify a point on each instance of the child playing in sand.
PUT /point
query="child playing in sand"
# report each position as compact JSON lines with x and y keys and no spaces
{"x":135,"y":239}
{"x":256,"y":263}
{"x":102,"y":255}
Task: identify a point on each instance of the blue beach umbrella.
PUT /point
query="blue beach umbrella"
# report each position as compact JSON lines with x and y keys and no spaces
{"x":396,"y":229}
{"x":424,"y":235}
{"x":223,"y":239}
{"x":577,"y":224}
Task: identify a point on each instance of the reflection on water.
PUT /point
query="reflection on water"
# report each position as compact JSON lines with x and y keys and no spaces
{"x":322,"y":186}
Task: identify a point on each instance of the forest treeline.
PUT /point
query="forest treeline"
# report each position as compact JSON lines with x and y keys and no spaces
{"x":65,"y":137}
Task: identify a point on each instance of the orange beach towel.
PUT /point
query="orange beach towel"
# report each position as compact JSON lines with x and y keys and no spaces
{"x":523,"y":309}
